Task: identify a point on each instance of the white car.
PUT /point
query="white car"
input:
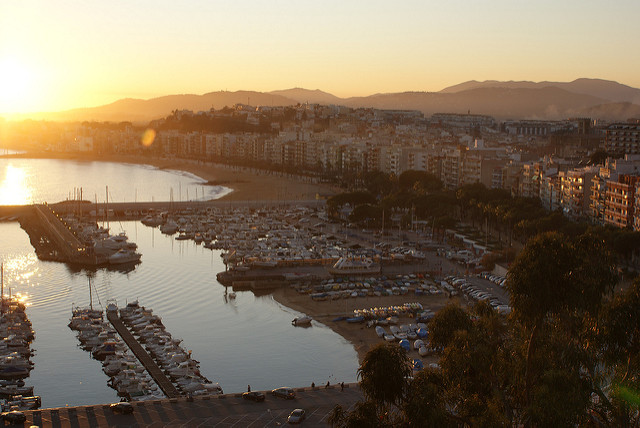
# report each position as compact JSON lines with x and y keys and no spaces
{"x":296,"y":416}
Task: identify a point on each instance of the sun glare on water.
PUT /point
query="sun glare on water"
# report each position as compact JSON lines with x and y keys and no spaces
{"x":13,"y":187}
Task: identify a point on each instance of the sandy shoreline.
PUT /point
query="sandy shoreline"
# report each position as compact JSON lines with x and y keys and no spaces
{"x":248,"y":184}
{"x":361,"y":337}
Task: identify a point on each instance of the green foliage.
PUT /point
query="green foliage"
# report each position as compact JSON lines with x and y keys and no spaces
{"x":420,"y":181}
{"x":378,"y":183}
{"x":366,"y":212}
{"x":383,"y":374}
{"x":425,"y":405}
{"x":365,"y":415}
{"x":449,"y":320}
{"x":568,"y":340}
{"x":554,"y":274}
{"x":560,"y":399}
{"x":352,"y":198}
{"x":619,"y":335}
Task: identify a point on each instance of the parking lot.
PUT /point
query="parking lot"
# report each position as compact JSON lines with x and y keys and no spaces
{"x":483,"y":287}
{"x":228,"y":410}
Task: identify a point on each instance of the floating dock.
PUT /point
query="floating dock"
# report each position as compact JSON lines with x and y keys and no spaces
{"x":152,"y":368}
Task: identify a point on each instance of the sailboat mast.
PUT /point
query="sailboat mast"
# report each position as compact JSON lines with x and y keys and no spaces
{"x":107,"y":205}
{"x":90,"y":295}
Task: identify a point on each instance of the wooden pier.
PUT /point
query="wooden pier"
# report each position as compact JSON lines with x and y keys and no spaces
{"x":152,"y":368}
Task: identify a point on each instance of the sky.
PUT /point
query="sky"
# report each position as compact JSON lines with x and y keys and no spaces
{"x":58,"y":54}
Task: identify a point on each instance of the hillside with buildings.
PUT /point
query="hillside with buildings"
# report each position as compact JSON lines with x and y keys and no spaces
{"x":551,"y":160}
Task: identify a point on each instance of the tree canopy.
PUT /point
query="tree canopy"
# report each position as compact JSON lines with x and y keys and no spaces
{"x":568,"y":355}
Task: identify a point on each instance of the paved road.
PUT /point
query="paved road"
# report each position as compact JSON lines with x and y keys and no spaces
{"x":227,"y":411}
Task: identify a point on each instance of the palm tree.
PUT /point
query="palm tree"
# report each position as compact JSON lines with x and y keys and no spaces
{"x":383,"y":375}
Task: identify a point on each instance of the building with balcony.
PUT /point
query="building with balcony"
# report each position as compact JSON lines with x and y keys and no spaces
{"x":620,"y":201}
{"x":623,"y":138}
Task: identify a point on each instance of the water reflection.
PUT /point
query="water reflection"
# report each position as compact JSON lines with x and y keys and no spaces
{"x":13,"y":188}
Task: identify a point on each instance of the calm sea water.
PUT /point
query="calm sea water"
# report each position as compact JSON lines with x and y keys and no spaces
{"x":26,"y":181}
{"x":249,"y":340}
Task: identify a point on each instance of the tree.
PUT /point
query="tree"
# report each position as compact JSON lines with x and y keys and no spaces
{"x":422,"y":181}
{"x":446,"y":323}
{"x":426,"y":405}
{"x":378,"y":183}
{"x":383,"y":375}
{"x":618,"y":334}
{"x":556,"y":276}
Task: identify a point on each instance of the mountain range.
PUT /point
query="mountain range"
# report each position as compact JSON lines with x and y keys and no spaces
{"x":595,"y":98}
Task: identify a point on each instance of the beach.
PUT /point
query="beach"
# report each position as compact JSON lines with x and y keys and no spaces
{"x":248,"y":184}
{"x":358,"y":334}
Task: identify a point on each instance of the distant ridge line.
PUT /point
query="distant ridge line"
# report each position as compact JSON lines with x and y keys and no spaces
{"x":504,"y":100}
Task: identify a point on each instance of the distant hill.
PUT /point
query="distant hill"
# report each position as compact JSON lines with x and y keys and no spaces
{"x":308,"y":96}
{"x":137,"y":110}
{"x":504,"y":100}
{"x":503,"y":103}
{"x":604,"y":89}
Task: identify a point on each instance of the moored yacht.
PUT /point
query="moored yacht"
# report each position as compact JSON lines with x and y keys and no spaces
{"x":124,"y":256}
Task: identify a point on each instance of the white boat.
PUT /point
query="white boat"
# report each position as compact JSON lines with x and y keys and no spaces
{"x":169,"y":228}
{"x":354,"y":266}
{"x":152,"y":220}
{"x":380,"y":331}
{"x":301,"y":321}
{"x":124,"y":256}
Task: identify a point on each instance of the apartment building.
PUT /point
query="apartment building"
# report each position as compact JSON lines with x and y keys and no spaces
{"x":576,"y":191}
{"x":620,"y":201}
{"x":623,"y":138}
{"x":551,"y":192}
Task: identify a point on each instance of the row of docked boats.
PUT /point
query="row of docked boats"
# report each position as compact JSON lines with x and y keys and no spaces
{"x":15,"y":356}
{"x":177,"y":364}
{"x":126,"y":374}
{"x":114,"y":250}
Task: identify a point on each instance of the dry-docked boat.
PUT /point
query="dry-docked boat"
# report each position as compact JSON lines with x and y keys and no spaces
{"x":354,"y":266}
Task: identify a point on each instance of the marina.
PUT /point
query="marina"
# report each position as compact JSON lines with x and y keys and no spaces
{"x":263,"y":247}
{"x":64,"y":374}
{"x":15,"y":355}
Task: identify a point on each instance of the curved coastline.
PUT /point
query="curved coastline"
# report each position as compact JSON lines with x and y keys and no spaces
{"x":246,"y":184}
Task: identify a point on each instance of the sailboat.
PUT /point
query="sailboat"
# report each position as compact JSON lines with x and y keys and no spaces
{"x":84,"y":312}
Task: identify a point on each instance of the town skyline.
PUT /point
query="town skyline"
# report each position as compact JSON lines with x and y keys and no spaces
{"x":60,"y":56}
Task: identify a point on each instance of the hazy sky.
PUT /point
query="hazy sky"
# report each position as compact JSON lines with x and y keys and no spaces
{"x":63,"y":54}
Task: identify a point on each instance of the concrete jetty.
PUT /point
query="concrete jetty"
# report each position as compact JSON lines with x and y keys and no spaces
{"x":152,"y":368}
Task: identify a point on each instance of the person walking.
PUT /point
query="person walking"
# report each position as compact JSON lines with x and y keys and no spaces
{"x":248,"y":388}
{"x":341,"y":386}
{"x":327,"y":385}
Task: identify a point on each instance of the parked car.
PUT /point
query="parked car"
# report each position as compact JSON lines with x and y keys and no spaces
{"x":122,"y":407}
{"x":254,"y":396}
{"x":284,"y":392}
{"x":14,"y":417}
{"x":296,"y":416}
